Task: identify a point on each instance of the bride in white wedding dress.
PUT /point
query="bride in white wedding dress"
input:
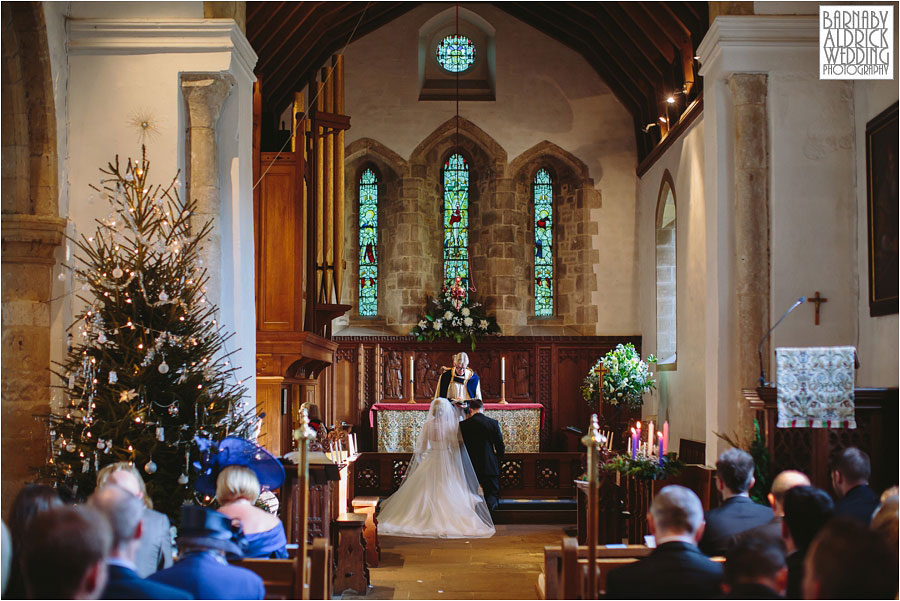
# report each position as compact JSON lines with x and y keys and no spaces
{"x":439,"y":496}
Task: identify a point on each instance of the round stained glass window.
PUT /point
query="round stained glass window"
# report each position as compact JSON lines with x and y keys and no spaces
{"x":455,"y":53}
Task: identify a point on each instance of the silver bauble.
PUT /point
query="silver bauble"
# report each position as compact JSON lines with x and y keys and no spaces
{"x":183,"y":479}
{"x":163,"y":368}
{"x":117,"y":272}
{"x":150,"y":467}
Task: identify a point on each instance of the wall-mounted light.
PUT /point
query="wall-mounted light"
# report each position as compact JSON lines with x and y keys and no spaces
{"x":646,"y":128}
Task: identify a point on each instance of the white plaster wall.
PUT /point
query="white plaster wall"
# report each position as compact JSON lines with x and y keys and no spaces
{"x":545,"y":91}
{"x":878,"y":344}
{"x":108,"y":84}
{"x":680,"y":392}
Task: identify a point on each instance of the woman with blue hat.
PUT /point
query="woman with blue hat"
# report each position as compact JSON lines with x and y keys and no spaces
{"x":238,"y":472}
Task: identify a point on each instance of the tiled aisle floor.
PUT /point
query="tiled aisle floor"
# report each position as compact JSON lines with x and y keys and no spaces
{"x":505,"y":566}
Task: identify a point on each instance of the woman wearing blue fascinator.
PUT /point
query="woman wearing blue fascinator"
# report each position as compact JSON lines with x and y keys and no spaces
{"x":236,"y":470}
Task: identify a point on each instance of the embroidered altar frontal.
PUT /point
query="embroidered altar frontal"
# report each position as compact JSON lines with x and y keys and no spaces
{"x":398,"y":425}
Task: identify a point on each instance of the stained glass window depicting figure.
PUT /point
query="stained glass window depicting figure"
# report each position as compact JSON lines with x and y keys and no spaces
{"x":543,"y":244}
{"x":368,"y":243}
{"x":455,"y":53}
{"x":456,"y":220}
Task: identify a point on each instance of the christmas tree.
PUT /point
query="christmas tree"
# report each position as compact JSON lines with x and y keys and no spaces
{"x":147,"y":370}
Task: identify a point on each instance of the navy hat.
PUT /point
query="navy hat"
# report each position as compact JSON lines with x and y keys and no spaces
{"x":232,"y":450}
{"x":203,"y":527}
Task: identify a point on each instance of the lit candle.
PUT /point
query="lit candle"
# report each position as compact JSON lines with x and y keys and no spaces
{"x":651,"y":440}
{"x":639,"y":436}
{"x":661,"y":451}
{"x":503,"y":369}
{"x":411,"y":367}
{"x":665,"y":436}
{"x":633,"y":443}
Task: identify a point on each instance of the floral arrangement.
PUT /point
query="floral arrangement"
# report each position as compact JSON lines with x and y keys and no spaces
{"x":454,"y":315}
{"x":647,"y":468}
{"x":625,"y":378}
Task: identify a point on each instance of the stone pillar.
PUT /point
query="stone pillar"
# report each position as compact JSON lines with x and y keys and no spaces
{"x":205,"y":93}
{"x":28,"y":243}
{"x":750,"y":222}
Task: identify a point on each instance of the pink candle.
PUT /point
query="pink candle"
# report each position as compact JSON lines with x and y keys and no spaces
{"x":651,"y":440}
{"x":638,"y":437}
{"x":665,"y":436}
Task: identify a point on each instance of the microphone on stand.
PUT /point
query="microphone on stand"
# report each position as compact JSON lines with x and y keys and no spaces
{"x":762,"y":372}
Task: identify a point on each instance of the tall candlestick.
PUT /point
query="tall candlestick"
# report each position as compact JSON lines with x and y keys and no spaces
{"x":503,"y":369}
{"x":411,"y":370}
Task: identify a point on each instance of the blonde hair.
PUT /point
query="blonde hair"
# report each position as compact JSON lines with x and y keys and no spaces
{"x":237,"y":482}
{"x":123,"y":466}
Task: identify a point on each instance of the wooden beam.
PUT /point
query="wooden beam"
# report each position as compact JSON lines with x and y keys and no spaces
{"x":688,"y":117}
{"x":670,"y":26}
{"x":269,"y":41}
{"x":649,"y":28}
{"x":623,"y":49}
{"x":686,"y":16}
{"x":259,"y":13}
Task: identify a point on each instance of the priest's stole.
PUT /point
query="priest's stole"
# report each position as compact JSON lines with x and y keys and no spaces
{"x":815,"y":387}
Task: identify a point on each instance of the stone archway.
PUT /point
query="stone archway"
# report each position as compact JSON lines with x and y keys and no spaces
{"x":31,"y":232}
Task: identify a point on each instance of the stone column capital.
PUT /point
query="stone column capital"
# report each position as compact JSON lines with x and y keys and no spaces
{"x":31,"y":238}
{"x":205,"y":94}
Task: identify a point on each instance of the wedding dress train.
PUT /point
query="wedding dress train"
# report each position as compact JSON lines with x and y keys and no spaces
{"x":439,"y":496}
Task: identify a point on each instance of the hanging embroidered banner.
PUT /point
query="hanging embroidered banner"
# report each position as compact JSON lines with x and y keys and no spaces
{"x":815,"y":387}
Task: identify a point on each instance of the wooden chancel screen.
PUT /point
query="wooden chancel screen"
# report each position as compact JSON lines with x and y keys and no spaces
{"x":298,"y":208}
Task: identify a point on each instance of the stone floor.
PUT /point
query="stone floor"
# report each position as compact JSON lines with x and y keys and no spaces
{"x":505,"y":566}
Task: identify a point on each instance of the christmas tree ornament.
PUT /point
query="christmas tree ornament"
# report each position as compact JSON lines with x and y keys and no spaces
{"x":85,"y":466}
{"x":163,"y":297}
{"x":101,"y":338}
{"x":183,"y":479}
{"x":163,"y":367}
{"x":150,"y":467}
{"x":70,"y":447}
{"x":113,"y":377}
{"x":117,"y":272}
{"x":160,"y":433}
{"x":71,"y":381}
{"x":173,"y":410}
{"x":61,"y":277}
{"x":101,"y":444}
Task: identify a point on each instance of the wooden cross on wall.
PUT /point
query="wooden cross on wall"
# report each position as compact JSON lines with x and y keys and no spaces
{"x":818,"y":300}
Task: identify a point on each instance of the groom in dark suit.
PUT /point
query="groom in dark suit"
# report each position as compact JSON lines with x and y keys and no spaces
{"x":484,"y":443}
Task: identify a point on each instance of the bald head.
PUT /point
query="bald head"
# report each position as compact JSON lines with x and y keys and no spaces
{"x":124,"y":512}
{"x":676,"y":510}
{"x":783,"y":482}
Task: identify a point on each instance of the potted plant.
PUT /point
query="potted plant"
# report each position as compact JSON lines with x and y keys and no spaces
{"x":625,"y":379}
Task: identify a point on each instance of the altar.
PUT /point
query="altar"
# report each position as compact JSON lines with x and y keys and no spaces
{"x":397,"y":425}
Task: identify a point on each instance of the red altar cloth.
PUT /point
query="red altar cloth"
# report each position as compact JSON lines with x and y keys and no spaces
{"x":425,"y":406}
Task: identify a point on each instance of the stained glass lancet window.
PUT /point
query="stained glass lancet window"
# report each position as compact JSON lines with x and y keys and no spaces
{"x":368,"y":243}
{"x":543,"y":244}
{"x":456,"y":220}
{"x":455,"y":53}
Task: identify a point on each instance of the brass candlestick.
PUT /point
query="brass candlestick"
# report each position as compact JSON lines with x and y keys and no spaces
{"x":503,"y":392}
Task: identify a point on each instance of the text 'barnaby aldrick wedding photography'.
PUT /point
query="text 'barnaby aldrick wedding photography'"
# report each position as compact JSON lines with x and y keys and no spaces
{"x":856,"y":42}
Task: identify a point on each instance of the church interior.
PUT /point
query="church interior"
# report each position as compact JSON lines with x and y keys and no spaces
{"x":572,"y":177}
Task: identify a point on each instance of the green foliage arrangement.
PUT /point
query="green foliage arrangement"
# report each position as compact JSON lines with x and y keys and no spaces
{"x":454,"y":314}
{"x":625,"y":379}
{"x":646,"y":468}
{"x":147,"y":368}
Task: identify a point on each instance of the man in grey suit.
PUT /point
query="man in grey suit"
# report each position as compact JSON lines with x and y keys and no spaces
{"x":155,"y":551}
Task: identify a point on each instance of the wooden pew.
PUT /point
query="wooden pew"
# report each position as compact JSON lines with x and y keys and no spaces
{"x":283,"y":578}
{"x":561,"y":560}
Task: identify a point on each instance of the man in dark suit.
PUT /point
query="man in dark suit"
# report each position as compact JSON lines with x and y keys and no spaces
{"x":734,"y":478}
{"x":806,"y":510}
{"x":755,"y":569}
{"x":850,"y":479}
{"x":771,"y":530}
{"x":676,"y":569}
{"x":205,"y":537}
{"x":125,"y":513}
{"x":484,"y":443}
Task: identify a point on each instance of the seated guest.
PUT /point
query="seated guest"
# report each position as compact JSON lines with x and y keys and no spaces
{"x":738,"y":513}
{"x":155,"y":551}
{"x":848,"y":561}
{"x":676,"y":569}
{"x":850,"y":479}
{"x":205,"y":536}
{"x":755,"y":569}
{"x":32,"y":500}
{"x":885,"y":519}
{"x":237,"y":489}
{"x":125,"y":513}
{"x":806,"y":510}
{"x":772,"y":529}
{"x":64,"y":556}
{"x":235,"y":472}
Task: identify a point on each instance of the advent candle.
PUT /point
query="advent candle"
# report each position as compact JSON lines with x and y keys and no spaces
{"x":661,"y":451}
{"x":665,"y":436}
{"x":633,"y":443}
{"x":503,"y":369}
{"x":411,"y":368}
{"x":639,"y":436}
{"x":651,"y":440}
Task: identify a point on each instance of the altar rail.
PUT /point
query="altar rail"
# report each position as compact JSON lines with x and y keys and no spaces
{"x":522,"y":475}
